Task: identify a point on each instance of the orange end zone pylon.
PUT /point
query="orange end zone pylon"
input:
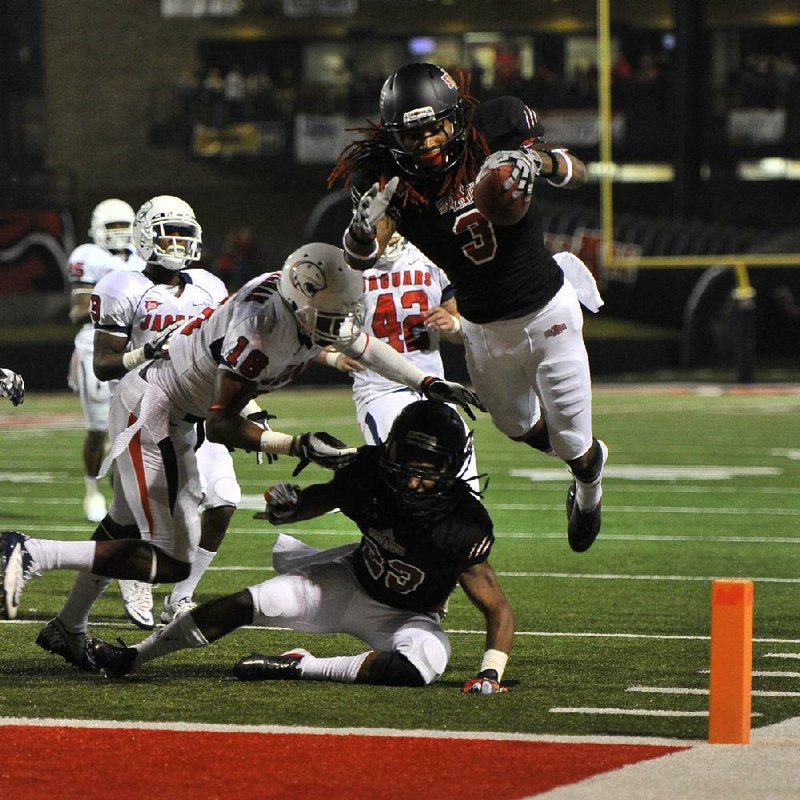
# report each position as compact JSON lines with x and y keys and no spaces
{"x":730,"y":690}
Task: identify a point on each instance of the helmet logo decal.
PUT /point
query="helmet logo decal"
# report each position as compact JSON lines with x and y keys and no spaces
{"x":418,"y":116}
{"x":142,"y":213}
{"x":448,"y":80}
{"x":308,"y":278}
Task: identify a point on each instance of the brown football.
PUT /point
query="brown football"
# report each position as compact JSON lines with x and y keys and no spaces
{"x":496,"y":203}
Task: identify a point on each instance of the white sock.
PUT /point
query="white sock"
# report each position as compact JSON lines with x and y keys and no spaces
{"x":86,"y":589}
{"x":201,"y":562}
{"x":178,"y":635}
{"x":55,"y":554}
{"x":92,"y":486}
{"x":588,"y":495}
{"x":342,"y":669}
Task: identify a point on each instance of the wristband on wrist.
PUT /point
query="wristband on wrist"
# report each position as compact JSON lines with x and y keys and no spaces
{"x":134,"y":358}
{"x":568,"y":161}
{"x":251,"y":408}
{"x":276,"y":443}
{"x":496,"y":660}
{"x":456,"y":325}
{"x":331,"y":357}
{"x":354,"y":249}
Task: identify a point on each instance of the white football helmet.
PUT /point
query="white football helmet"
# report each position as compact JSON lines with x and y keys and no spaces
{"x":166,"y":232}
{"x":324,"y":293}
{"x":116,"y":213}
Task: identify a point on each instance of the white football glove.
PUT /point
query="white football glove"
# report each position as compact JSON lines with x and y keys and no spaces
{"x":371,"y":207}
{"x":526,"y":165}
{"x":323,"y":449}
{"x":12,"y":386}
{"x":159,"y":346}
{"x":449,"y":392}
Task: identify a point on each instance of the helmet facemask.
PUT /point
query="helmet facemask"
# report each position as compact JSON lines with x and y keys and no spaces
{"x":341,"y":326}
{"x":436,"y":160}
{"x":422,"y":459}
{"x":175,"y":244}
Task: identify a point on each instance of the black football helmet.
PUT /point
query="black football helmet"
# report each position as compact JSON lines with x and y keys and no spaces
{"x":427,"y":442}
{"x":417,"y":96}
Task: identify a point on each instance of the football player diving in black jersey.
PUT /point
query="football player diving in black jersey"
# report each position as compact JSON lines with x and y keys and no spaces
{"x":415,"y":172}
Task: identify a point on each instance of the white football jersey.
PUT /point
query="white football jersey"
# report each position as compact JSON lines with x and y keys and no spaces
{"x":253,"y":334}
{"x":129,"y":303}
{"x":402,"y":285}
{"x":89,"y":263}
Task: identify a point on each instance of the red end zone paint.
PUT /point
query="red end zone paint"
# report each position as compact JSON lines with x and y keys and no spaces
{"x":67,"y":763}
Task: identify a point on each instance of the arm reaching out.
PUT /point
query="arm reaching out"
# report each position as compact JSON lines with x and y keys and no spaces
{"x":481,"y":586}
{"x":384,"y":360}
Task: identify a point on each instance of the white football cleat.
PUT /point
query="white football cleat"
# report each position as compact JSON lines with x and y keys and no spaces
{"x":177,"y":609}
{"x":94,"y":507}
{"x":17,"y":567}
{"x":137,"y":598}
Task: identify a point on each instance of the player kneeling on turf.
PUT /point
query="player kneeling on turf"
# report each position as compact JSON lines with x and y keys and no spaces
{"x":423,"y":531}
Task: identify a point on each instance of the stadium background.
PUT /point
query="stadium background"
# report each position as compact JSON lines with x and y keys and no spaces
{"x":111,"y":98}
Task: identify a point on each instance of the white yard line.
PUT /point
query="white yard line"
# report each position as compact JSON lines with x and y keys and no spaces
{"x":627,"y":712}
{"x":685,"y":690}
{"x":619,"y":577}
{"x":617,"y":509}
{"x":557,"y":535}
{"x":665,"y":637}
{"x":782,"y":655}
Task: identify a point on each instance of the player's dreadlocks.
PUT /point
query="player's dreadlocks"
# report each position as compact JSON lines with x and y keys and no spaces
{"x":372,"y":155}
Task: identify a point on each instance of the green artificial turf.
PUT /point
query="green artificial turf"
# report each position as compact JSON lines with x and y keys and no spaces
{"x":634,"y":611}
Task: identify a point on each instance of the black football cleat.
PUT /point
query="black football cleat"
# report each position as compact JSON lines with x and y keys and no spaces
{"x":74,"y":648}
{"x":115,"y":662}
{"x":257,"y":667}
{"x":582,"y":526}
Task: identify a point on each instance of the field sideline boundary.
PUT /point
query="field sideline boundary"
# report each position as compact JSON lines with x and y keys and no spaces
{"x":416,"y":733}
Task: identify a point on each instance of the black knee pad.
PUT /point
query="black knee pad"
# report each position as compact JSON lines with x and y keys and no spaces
{"x":539,"y":440}
{"x":394,"y":669}
{"x":592,"y":472}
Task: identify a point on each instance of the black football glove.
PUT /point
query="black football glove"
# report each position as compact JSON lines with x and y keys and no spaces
{"x":484,"y":683}
{"x":283,"y":500}
{"x":159,"y":346}
{"x":12,"y":386}
{"x":449,"y":392}
{"x":322,"y":449}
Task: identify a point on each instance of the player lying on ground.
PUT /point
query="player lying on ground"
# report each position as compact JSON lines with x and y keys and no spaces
{"x":423,"y":530}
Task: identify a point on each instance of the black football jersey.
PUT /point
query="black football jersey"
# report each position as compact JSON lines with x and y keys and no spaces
{"x":404,"y":562}
{"x":498,"y":272}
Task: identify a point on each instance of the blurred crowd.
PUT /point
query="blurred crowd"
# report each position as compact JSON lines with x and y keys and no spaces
{"x":217,"y":96}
